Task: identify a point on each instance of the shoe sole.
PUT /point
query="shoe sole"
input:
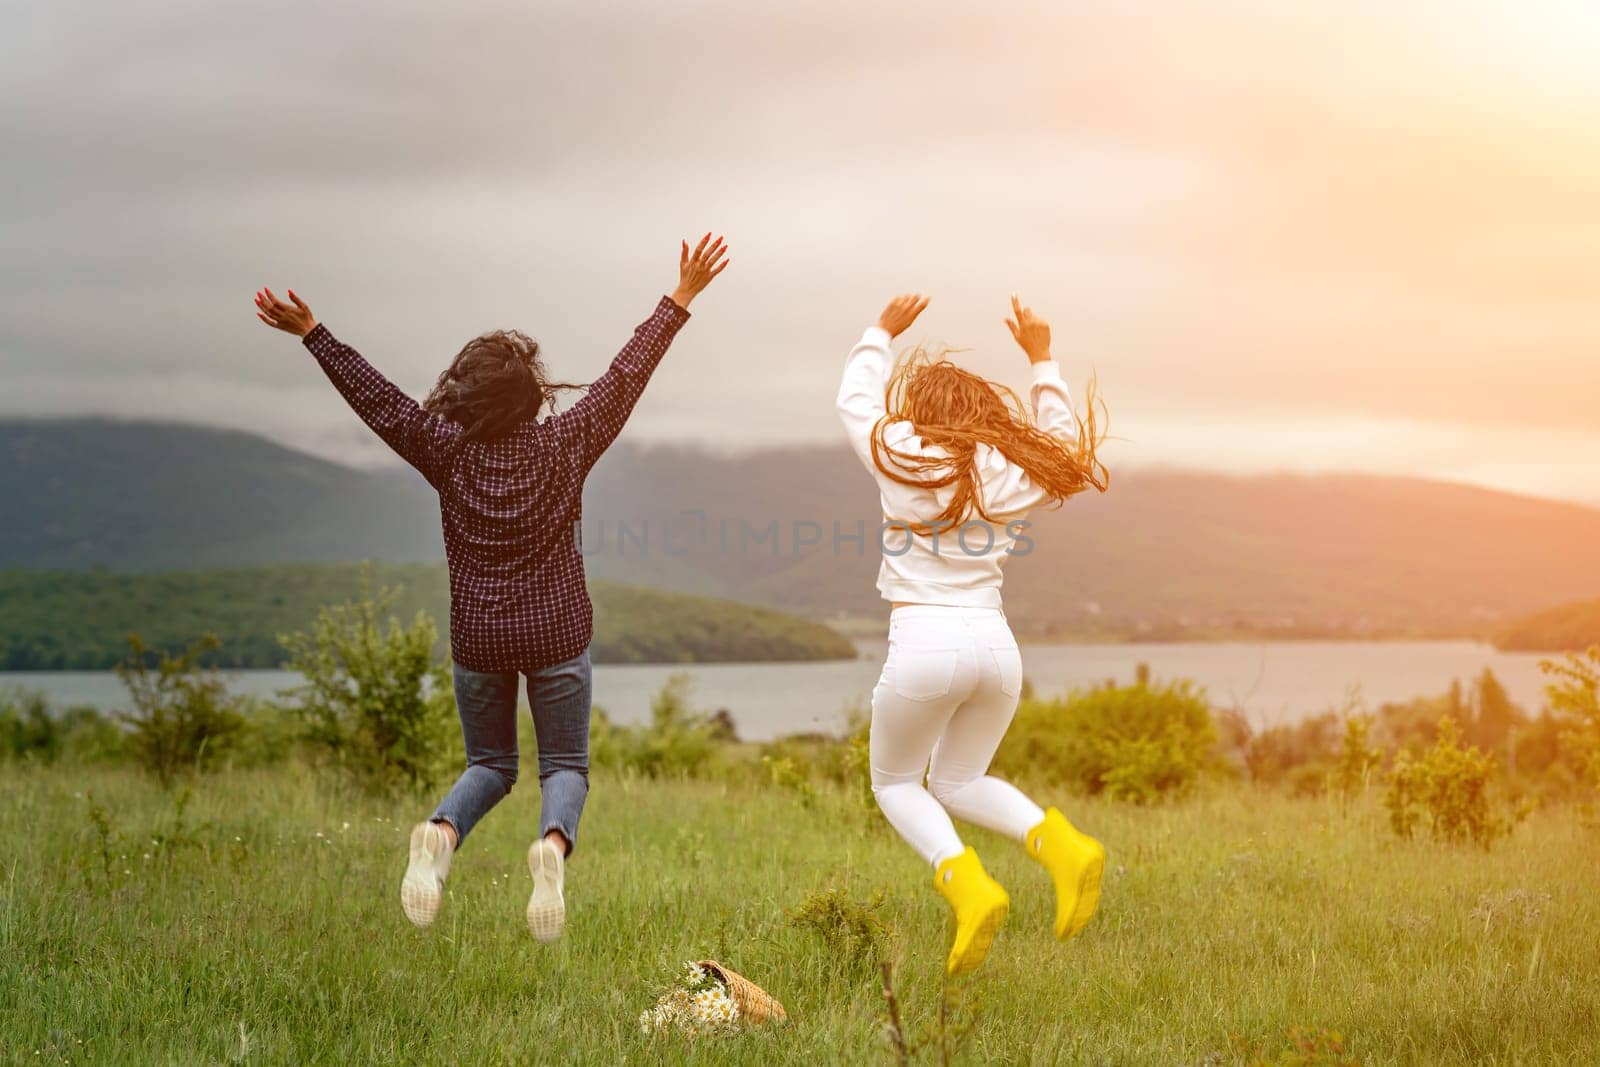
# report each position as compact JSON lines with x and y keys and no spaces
{"x":1088,"y":892}
{"x":420,"y":893}
{"x":547,"y":910}
{"x":982,"y":939}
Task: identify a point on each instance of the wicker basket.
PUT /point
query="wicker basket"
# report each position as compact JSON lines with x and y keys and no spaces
{"x":755,"y":1003}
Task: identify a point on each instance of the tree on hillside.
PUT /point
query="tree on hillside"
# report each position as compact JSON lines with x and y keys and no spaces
{"x":1494,"y":716}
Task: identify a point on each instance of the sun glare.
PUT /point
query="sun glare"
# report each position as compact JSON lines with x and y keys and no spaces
{"x":1562,"y":34}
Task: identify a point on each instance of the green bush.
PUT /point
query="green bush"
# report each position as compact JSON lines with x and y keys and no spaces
{"x":1412,"y":725}
{"x":1448,"y":788}
{"x":1494,"y":717}
{"x":31,"y":730}
{"x":90,"y":737}
{"x":27,"y":729}
{"x":1575,"y":697}
{"x":853,"y":931}
{"x":182,"y":713}
{"x":271,"y":734}
{"x":1295,"y":752}
{"x":1357,"y":760}
{"x":1141,"y":742}
{"x":374,"y":700}
{"x":842,"y":761}
{"x":676,"y":742}
{"x":792,"y":775}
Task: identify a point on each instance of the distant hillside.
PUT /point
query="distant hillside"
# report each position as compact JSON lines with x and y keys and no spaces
{"x":80,"y":620}
{"x":1163,"y":554}
{"x":141,"y":496}
{"x":1568,"y":628}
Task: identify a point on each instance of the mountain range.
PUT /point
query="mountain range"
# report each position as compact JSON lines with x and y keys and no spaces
{"x":1164,"y":553}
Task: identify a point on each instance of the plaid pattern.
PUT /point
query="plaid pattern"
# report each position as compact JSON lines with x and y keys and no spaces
{"x":511,"y":507}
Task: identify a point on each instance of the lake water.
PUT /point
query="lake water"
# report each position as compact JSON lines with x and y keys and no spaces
{"x":1271,"y":682}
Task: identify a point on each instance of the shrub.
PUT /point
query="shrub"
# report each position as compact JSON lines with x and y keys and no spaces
{"x":181,"y":711}
{"x":1575,"y":696}
{"x":1353,"y":768}
{"x":27,"y":729}
{"x":1449,"y":788}
{"x":90,"y":737}
{"x":1293,"y":752}
{"x":1413,"y":724}
{"x":791,"y":775}
{"x":843,"y":761}
{"x":374,"y":700}
{"x":30,"y":730}
{"x":272,"y":732}
{"x":852,"y":930}
{"x":676,"y":741}
{"x":1140,"y":742}
{"x":1494,"y":716}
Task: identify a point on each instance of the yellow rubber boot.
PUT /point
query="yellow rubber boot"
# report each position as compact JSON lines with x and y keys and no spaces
{"x":980,"y":906}
{"x":1075,"y":862}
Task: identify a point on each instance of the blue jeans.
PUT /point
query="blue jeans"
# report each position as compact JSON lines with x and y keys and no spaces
{"x":559,"y":696}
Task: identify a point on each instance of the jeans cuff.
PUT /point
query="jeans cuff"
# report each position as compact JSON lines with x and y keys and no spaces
{"x":440,"y":816}
{"x":568,"y":832}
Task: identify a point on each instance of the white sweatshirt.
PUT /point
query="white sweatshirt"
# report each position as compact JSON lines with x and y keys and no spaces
{"x":961,"y":566}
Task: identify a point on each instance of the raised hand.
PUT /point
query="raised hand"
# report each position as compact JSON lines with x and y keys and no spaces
{"x":901,"y":313}
{"x":294,"y":317}
{"x":1030,"y":332}
{"x":696,"y":269}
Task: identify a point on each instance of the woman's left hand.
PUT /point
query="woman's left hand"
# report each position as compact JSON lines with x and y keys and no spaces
{"x":294,"y":317}
{"x":696,"y":269}
{"x":1031,"y":333}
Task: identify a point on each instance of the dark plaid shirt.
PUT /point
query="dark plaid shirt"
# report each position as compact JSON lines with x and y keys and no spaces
{"x":511,"y":506}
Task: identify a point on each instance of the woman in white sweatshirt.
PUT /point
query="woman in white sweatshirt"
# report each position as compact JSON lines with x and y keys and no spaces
{"x":959,"y":464}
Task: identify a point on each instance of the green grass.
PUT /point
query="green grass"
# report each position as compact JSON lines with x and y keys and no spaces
{"x":274,"y":934}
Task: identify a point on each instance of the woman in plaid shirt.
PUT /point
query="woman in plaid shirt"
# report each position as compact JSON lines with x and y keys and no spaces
{"x":510,"y":490}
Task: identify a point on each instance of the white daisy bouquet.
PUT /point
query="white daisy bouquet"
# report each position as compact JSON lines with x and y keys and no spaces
{"x":697,"y":1004}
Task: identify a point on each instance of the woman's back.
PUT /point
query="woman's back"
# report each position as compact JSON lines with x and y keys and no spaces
{"x":930,"y":557}
{"x":509,"y":505}
{"x":510,"y":511}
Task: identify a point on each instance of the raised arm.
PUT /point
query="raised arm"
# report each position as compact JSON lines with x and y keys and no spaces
{"x":866,"y":374}
{"x":421,"y":439}
{"x":587,"y":429}
{"x":1009,"y":490}
{"x":1052,"y":404}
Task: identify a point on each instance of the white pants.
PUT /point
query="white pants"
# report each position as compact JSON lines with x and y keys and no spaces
{"x":947,"y":695}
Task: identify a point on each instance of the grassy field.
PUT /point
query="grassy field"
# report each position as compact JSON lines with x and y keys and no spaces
{"x":267,"y":930}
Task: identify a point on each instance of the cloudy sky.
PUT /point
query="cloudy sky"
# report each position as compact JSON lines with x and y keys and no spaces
{"x":1309,"y":236}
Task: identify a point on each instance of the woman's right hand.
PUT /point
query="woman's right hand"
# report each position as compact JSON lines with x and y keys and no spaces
{"x":901,"y":313}
{"x":294,"y":317}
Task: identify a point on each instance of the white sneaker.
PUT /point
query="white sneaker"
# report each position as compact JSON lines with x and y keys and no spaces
{"x":423,"y":886}
{"x":547,"y":909}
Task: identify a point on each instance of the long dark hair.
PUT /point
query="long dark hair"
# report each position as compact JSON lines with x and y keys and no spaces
{"x":493,"y":385}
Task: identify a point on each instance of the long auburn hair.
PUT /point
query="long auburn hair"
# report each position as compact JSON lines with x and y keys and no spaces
{"x":957,"y":411}
{"x":494,"y":384}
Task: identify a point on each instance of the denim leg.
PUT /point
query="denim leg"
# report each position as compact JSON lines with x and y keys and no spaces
{"x":488,"y":707}
{"x":560,"y":699}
